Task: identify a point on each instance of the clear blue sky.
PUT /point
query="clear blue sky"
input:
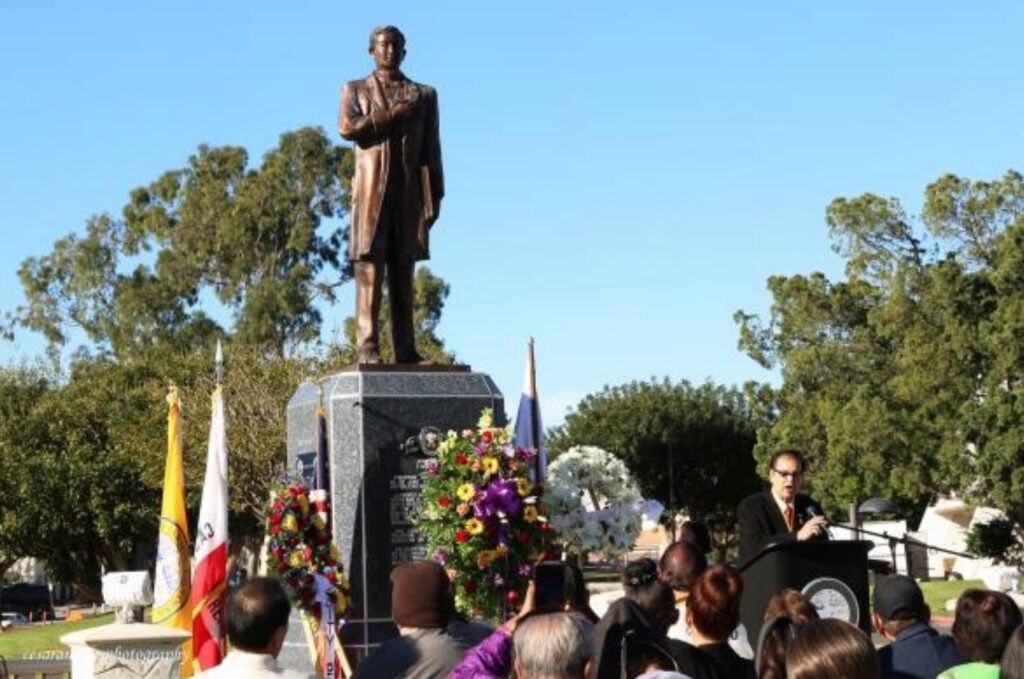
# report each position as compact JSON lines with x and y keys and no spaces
{"x":621,"y":177}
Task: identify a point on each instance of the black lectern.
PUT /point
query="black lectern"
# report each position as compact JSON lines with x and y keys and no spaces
{"x":834,"y":575}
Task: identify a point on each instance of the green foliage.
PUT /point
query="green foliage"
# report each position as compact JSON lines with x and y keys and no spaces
{"x":709,"y":431}
{"x":250,"y":236}
{"x":998,"y":539}
{"x":903,"y":379}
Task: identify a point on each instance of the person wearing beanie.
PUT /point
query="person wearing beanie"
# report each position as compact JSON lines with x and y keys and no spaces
{"x":903,"y":618}
{"x":432,"y":637}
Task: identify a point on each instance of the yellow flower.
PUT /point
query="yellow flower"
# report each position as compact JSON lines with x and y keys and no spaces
{"x":530,"y":514}
{"x":475,"y":526}
{"x":484,"y":558}
{"x":466,"y":492}
{"x":501,"y":550}
{"x":335,"y":553}
{"x":523,"y":486}
{"x":303,"y":504}
{"x":290,"y":523}
{"x":490,"y":464}
{"x":296,"y":559}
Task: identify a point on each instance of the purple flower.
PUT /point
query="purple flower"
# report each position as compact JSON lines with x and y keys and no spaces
{"x":524,"y":570}
{"x":441,"y":557}
{"x":499,"y":496}
{"x":431,"y":466}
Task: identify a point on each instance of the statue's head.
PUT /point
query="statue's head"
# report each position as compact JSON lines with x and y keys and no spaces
{"x":387,"y":47}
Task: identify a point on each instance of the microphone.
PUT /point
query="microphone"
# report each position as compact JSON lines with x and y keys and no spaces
{"x":812,"y":513}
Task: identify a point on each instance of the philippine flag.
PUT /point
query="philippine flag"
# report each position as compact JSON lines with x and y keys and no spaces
{"x":529,"y":430}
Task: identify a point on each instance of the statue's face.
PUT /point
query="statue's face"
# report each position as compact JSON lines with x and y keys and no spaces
{"x":387,"y":51}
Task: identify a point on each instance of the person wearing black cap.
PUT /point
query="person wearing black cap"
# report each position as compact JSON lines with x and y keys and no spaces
{"x":432,"y":639}
{"x":902,"y":617}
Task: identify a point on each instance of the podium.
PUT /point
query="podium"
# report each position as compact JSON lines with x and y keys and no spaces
{"x":834,"y":575}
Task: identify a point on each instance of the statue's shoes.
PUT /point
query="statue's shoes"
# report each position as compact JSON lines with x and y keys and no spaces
{"x":368,"y":356}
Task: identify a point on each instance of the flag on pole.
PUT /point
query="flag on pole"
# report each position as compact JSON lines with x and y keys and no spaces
{"x":210,"y":577}
{"x":171,"y":579}
{"x":321,"y":492}
{"x":529,"y":432}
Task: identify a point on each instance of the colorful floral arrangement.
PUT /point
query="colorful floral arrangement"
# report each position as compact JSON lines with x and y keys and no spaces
{"x":595,"y":505}
{"x":485,"y":520}
{"x":300,"y":548}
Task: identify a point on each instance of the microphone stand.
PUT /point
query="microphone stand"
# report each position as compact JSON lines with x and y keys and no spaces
{"x":905,"y":540}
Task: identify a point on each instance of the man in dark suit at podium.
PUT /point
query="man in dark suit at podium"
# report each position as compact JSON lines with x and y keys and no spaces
{"x":780,"y":513}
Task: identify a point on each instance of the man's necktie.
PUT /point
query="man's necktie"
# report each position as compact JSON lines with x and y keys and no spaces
{"x":788,"y":514}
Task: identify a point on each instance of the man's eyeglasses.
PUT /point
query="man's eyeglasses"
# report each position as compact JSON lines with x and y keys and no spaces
{"x":786,"y":475}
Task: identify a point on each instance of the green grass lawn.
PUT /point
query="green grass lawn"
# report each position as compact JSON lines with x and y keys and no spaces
{"x":14,"y":644}
{"x":938,"y":592}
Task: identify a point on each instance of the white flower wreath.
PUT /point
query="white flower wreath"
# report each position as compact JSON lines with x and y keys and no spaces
{"x":595,"y":506}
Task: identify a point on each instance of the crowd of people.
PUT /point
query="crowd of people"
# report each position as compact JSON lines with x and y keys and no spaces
{"x":678,"y":618}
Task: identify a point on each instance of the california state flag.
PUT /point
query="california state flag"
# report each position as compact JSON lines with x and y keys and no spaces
{"x":209,"y":579}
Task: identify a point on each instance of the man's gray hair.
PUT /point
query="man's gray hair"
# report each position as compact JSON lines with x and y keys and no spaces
{"x":553,"y":646}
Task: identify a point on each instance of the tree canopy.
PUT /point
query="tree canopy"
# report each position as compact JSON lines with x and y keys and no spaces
{"x":903,"y":379}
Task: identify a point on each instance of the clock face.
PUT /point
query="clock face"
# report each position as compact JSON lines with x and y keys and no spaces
{"x":833,"y":599}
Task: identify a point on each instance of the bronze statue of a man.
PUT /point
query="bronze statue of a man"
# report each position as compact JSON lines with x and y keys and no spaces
{"x":396,"y":191}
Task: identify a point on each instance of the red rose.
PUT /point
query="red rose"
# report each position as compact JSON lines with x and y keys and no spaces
{"x":461,"y":458}
{"x":512,"y":597}
{"x":293,"y":582}
{"x":332,"y":577}
{"x":275,"y":529}
{"x":470,"y":587}
{"x":444,"y":501}
{"x":275,"y":518}
{"x":282,"y":566}
{"x":461,"y":536}
{"x":486,"y":437}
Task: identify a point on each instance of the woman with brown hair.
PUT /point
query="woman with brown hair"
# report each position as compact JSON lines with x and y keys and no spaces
{"x":984,"y":622}
{"x":712,"y":613}
{"x":784,"y":611}
{"x":830,"y":649}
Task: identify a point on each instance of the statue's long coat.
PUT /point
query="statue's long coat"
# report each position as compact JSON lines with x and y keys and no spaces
{"x":424,"y":177}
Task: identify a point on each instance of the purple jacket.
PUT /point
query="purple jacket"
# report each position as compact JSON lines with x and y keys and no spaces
{"x":490,"y":659}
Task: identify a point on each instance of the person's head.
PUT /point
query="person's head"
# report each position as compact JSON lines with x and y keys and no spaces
{"x":792,"y":605}
{"x":770,"y":657}
{"x":681,"y":564}
{"x":640,"y":584}
{"x":257,"y":614}
{"x":421,"y":595}
{"x":983,"y":624}
{"x":1012,"y":665}
{"x":713,"y":608}
{"x":830,"y":649}
{"x":387,"y":47}
{"x":697,"y":534}
{"x":553,"y":646}
{"x":898,"y":603}
{"x":786,"y":472}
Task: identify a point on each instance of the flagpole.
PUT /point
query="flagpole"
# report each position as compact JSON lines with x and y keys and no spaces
{"x":534,"y":415}
{"x":219,"y":364}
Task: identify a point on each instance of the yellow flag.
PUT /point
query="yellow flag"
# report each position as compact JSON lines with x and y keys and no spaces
{"x":173,"y":570}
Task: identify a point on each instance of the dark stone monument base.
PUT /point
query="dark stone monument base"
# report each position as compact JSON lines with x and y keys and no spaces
{"x":374,"y":413}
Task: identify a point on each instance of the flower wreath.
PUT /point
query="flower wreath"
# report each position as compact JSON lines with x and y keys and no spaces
{"x":484,"y":518}
{"x":595,"y":505}
{"x":300,"y":548}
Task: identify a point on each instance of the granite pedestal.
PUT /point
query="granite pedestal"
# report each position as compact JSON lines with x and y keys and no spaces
{"x":372,"y":414}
